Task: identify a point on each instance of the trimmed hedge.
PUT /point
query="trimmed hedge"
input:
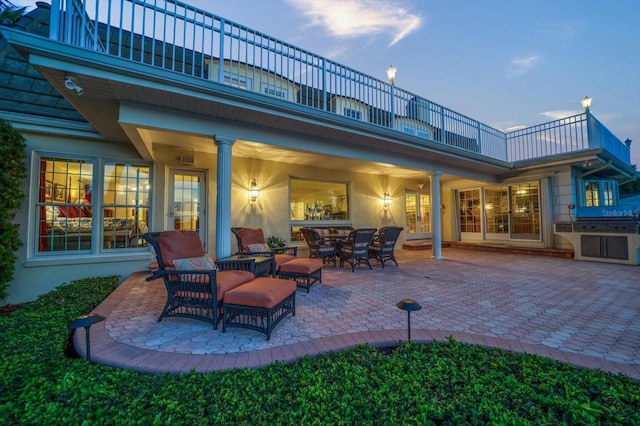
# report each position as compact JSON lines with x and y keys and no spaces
{"x":437,"y":383}
{"x":12,"y":172}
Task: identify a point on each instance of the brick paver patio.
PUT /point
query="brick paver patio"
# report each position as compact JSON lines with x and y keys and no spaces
{"x":584,"y":313}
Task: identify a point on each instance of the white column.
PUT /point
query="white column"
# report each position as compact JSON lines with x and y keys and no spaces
{"x":436,"y":219}
{"x":223,"y":196}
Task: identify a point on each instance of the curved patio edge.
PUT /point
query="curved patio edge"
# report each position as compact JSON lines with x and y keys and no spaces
{"x":110,"y":352}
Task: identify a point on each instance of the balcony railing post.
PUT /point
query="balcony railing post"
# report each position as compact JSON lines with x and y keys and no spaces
{"x":221,"y":59}
{"x":442,"y":124}
{"x":54,"y":20}
{"x":393,"y":105}
{"x":590,"y":134}
{"x":324,"y":85}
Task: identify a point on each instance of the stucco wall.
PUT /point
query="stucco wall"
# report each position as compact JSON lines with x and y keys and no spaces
{"x":36,"y":275}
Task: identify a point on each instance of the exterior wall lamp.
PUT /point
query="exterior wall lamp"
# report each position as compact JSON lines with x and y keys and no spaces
{"x":386,"y":200}
{"x":254,"y":192}
{"x":586,"y":103}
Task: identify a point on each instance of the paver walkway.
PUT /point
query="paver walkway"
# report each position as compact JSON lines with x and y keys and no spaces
{"x":584,"y":313}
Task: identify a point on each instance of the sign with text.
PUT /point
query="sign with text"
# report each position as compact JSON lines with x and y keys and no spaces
{"x":620,"y":212}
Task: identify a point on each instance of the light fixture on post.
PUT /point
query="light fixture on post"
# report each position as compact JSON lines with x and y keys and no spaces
{"x":386,"y":200}
{"x":86,"y":321}
{"x":254,"y":191}
{"x":391,"y":75}
{"x":408,"y":305}
{"x":586,"y":103}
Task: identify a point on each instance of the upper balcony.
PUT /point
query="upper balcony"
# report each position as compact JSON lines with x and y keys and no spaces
{"x":175,"y":37}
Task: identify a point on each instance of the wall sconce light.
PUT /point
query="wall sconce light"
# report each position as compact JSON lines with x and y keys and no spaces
{"x":71,"y":83}
{"x":586,"y":103}
{"x":386,"y":200}
{"x":254,"y":192}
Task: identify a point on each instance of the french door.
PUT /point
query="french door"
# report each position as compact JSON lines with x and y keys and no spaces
{"x":187,"y":201}
{"x":418,"y":215}
{"x":525,"y":212}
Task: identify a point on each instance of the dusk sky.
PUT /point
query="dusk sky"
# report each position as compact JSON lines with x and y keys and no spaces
{"x":506,"y":63}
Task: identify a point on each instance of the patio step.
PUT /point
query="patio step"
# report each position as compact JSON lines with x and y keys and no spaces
{"x":506,"y":248}
{"x":420,"y":245}
{"x":501,"y":248}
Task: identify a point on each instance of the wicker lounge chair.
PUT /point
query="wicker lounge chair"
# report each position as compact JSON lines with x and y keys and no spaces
{"x":195,"y":289}
{"x":355,"y":250}
{"x":383,"y":245}
{"x":318,"y":247}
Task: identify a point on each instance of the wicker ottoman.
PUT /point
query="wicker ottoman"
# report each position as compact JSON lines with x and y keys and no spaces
{"x":259,"y":304}
{"x":304,"y":271}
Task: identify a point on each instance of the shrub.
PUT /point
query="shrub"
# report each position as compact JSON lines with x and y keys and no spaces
{"x":12,"y":172}
{"x":436,"y":383}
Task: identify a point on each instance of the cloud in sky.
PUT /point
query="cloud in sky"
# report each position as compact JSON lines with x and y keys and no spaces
{"x":556,"y":115}
{"x":357,"y":18}
{"x":521,"y":65}
{"x":514,"y":128}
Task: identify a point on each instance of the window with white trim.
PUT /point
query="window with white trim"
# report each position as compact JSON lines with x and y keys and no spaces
{"x":272,"y":90}
{"x":352,"y":113}
{"x":600,"y":193}
{"x":236,"y":80}
{"x":73,"y":218}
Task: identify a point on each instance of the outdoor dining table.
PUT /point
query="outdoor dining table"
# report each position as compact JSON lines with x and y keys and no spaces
{"x":338,"y":239}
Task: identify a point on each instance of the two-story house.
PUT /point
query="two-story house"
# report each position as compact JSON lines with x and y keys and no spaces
{"x":181,"y":119}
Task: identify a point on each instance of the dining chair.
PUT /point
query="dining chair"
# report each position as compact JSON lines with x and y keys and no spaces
{"x":319,"y":248}
{"x":355,"y":250}
{"x":383,"y":244}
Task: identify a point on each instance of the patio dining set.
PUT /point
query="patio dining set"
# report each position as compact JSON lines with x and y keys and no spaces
{"x":352,"y":246}
{"x":255,"y":288}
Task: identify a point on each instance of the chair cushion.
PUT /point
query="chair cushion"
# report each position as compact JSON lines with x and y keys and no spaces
{"x":259,"y":248}
{"x":326,"y":249}
{"x":261,"y":292}
{"x":228,"y":280}
{"x":279,"y":259}
{"x":251,"y":236}
{"x":201,"y":263}
{"x":301,"y":266}
{"x":179,"y":245}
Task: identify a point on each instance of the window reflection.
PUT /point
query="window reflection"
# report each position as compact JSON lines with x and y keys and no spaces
{"x":318,"y":200}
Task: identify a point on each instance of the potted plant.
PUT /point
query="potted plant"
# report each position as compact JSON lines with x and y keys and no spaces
{"x":276,"y":243}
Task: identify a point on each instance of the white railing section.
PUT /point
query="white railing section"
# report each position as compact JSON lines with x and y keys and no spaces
{"x":172,"y":35}
{"x":570,"y":134}
{"x":601,"y":137}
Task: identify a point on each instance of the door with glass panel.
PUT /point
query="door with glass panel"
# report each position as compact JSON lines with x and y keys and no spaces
{"x":496,"y":213}
{"x":187,"y":201}
{"x":418,"y":211}
{"x":525,"y":212}
{"x":470,"y":214}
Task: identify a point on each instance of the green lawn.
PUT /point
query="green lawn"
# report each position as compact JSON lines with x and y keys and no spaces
{"x":439,"y":383}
